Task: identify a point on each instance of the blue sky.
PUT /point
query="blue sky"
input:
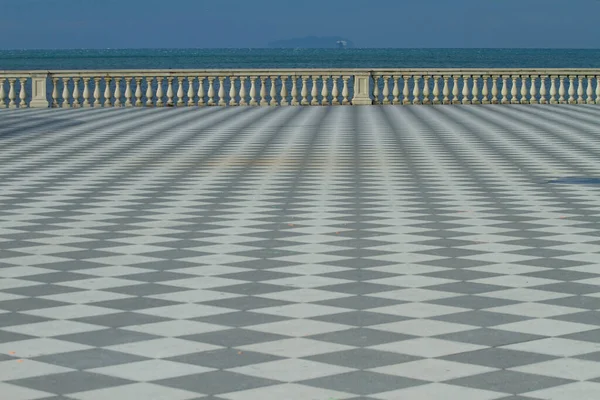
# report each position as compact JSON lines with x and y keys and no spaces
{"x":28,"y":24}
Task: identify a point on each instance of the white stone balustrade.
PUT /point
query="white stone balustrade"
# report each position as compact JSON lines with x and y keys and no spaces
{"x":177,"y":88}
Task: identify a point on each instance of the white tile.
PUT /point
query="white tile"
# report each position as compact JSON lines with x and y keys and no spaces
{"x":412,"y":281}
{"x":304,"y":295}
{"x":570,"y":391}
{"x":287,"y":391}
{"x":163,"y":348}
{"x":14,"y":392}
{"x":515,"y":281}
{"x":295,"y":347}
{"x":114,"y":270}
{"x":203,"y":282}
{"x":99,"y":283}
{"x":185,"y":311}
{"x":86,"y":296}
{"x":567,"y":368}
{"x":71,"y":311}
{"x":195,"y":296}
{"x":21,"y":369}
{"x":298,"y":327}
{"x":414,"y":294}
{"x":175,"y":328}
{"x":147,"y":391}
{"x":418,"y":310}
{"x":301,"y":310}
{"x":546,"y":327}
{"x":427,"y":347}
{"x":535,"y":310}
{"x":524,"y":294}
{"x":436,"y":391}
{"x":308,"y":281}
{"x":291,"y":370}
{"x":423,"y":327}
{"x":31,"y":348}
{"x":433,"y":370}
{"x":556,"y":347}
{"x":53,"y":328}
{"x":150,"y":370}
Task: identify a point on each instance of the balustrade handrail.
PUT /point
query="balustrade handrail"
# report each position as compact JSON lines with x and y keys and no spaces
{"x":324,"y":86}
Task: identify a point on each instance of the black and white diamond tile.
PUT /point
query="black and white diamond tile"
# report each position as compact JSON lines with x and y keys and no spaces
{"x":300,"y":253}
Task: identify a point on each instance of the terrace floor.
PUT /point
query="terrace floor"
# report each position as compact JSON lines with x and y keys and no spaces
{"x":300,"y":253}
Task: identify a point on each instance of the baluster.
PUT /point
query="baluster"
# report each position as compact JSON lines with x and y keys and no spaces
{"x":455,"y":92}
{"x":580,"y":99}
{"x":514,"y":92}
{"x":180,"y":92}
{"x":76,"y":93}
{"x":572,"y":90}
{"x":222,"y":100}
{"x":159,"y":91}
{"x":465,"y":90}
{"x":11,"y":93}
{"x":543,"y":93}
{"x":405,"y":90}
{"x":335,"y":93}
{"x":304,"y":92}
{"x":117,"y":92}
{"x":376,"y":89}
{"x":426,"y":99}
{"x":495,"y":89}
{"x":324,"y":91}
{"x":54,"y":92}
{"x":97,"y":94}
{"x":561,"y":90}
{"x":386,"y":90}
{"x":524,"y":90}
{"x":484,"y":90}
{"x":243,"y":91}
{"x":273,"y":92}
{"x":201,"y":91}
{"x":532,"y":91}
{"x":396,"y":91}
{"x":22,"y":93}
{"x":314,"y":91}
{"x":211,"y":91}
{"x":2,"y":93}
{"x":284,"y":92}
{"x":504,"y":90}
{"x":65,"y":93}
{"x":597,"y":89}
{"x":107,"y":93}
{"x":294,"y":91}
{"x":446,"y":90}
{"x":253,"y":101}
{"x":138,"y":92}
{"x":416,"y":90}
{"x":86,"y":92}
{"x":436,"y":89}
{"x":128,"y":92}
{"x":149,"y":92}
{"x":475,"y":91}
{"x":589,"y":92}
{"x":553,"y":90}
{"x":232,"y":92}
{"x":263,"y":91}
{"x":191,"y":92}
{"x":170,"y":94}
{"x":346,"y":91}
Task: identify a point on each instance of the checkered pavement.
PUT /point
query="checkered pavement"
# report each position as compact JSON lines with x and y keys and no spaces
{"x":300,"y":253}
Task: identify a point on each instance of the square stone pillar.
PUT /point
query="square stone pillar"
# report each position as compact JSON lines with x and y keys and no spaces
{"x":38,"y":91}
{"x":362,"y":97}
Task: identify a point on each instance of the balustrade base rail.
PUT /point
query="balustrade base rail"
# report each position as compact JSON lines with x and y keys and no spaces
{"x":177,"y":88}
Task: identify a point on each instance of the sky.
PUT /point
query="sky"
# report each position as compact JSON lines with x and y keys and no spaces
{"x":64,"y":24}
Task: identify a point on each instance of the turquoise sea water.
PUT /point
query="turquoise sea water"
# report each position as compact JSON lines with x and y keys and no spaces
{"x":298,"y":58}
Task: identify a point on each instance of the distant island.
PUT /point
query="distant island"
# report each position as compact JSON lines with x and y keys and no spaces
{"x":313,"y":42}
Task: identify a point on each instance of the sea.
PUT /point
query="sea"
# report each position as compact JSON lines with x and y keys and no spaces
{"x":82,"y":59}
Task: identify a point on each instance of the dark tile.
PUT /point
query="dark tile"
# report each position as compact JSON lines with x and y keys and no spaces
{"x":509,"y":382}
{"x":362,"y":358}
{"x":216,"y":382}
{"x":87,"y":359}
{"x":225,"y":358}
{"x":362,"y":382}
{"x":361,"y":337}
{"x":359,"y":318}
{"x":234,"y":337}
{"x":70,"y":382}
{"x":106,"y":337}
{"x":498,"y":358}
{"x":489,"y":337}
